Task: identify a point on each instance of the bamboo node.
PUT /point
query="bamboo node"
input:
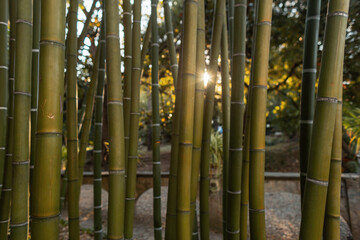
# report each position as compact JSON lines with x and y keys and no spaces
{"x":127,"y":56}
{"x":117,"y":171}
{"x":239,"y":54}
{"x":264,"y":23}
{"x":156,"y":163}
{"x":317,"y":182}
{"x":135,"y":113}
{"x":240,"y":102}
{"x":240,"y":5}
{"x":309,"y":70}
{"x":99,"y":96}
{"x":132,"y":157}
{"x":16,"y":225}
{"x":157,"y":197}
{"x":236,"y":149}
{"x":22,"y":93}
{"x":2,"y":148}
{"x":112,"y":36}
{"x":99,"y":206}
{"x":4,"y":67}
{"x":154,"y":5}
{"x":338,"y":13}
{"x":257,"y":210}
{"x":97,"y":179}
{"x":304,"y":174}
{"x":11,"y":79}
{"x":136,"y":68}
{"x":115,"y":102}
{"x":235,"y":193}
{"x":169,"y":32}
{"x":158,"y":229}
{"x":130,"y":199}
{"x":24,"y":21}
{"x":101,"y":69}
{"x":155,"y":84}
{"x":98,"y":124}
{"x":5,"y":221}
{"x":21,"y":163}
{"x":327,"y":99}
{"x":155,"y":125}
{"x":3,"y":108}
{"x":127,"y":13}
{"x":98,"y":231}
{"x":195,"y":233}
{"x":51,"y":42}
{"x":97,"y":151}
{"x":259,"y":86}
{"x":127,"y":98}
{"x":233,"y":232}
{"x":8,"y":155}
{"x":306,"y":121}
{"x":257,"y":150}
{"x":4,"y":23}
{"x":136,"y":21}
{"x":33,"y":110}
{"x":313,"y":18}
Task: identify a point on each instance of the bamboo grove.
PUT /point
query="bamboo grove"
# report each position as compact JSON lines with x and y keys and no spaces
{"x":39,"y":55}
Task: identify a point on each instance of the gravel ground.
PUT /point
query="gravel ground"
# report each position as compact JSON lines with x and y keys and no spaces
{"x":282,"y":216}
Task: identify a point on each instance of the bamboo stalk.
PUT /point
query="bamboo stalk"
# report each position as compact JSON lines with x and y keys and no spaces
{"x":127,"y":72}
{"x":208,"y":114}
{"x":134,"y":122}
{"x":4,"y":91}
{"x":313,"y":211}
{"x":332,"y":210}
{"x":7,"y":182}
{"x":145,"y":46}
{"x":225,"y":105}
{"x":72,"y":123}
{"x":22,"y":96}
{"x":258,"y":126}
{"x":244,"y":207}
{"x":308,"y":86}
{"x":198,"y":114}
{"x":45,"y":214}
{"x":170,"y":233}
{"x":116,"y":123}
{"x":34,"y":86}
{"x":155,"y":122}
{"x":230,"y":20}
{"x":98,"y":154}
{"x":183,"y":218}
{"x":170,"y":41}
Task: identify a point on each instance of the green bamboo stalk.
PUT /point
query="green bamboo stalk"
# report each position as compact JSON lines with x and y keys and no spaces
{"x":244,"y":207}
{"x":63,"y":190}
{"x":231,"y":26}
{"x":72,"y":123}
{"x":225,"y":105}
{"x":89,"y":109}
{"x":6,"y":190}
{"x":4,"y":67}
{"x":257,"y":128}
{"x":198,"y":114}
{"x":116,"y":123}
{"x":236,"y":122}
{"x":34,"y":86}
{"x":183,"y":218}
{"x":208,"y":114}
{"x":170,"y":233}
{"x":155,"y":122}
{"x":45,"y":216}
{"x":332,"y":210}
{"x":145,"y":46}
{"x":98,"y":155}
{"x":22,"y":96}
{"x":127,"y":72}
{"x":313,"y":211}
{"x":308,"y":86}
{"x":134,"y":122}
{"x":170,"y":41}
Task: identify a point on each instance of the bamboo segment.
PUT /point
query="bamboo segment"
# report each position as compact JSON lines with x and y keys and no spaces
{"x":313,"y":211}
{"x":170,"y":233}
{"x":89,"y":109}
{"x":308,"y":85}
{"x":198,"y":114}
{"x":98,"y":155}
{"x":230,"y":20}
{"x":46,"y":191}
{"x":72,"y":123}
{"x":127,"y":72}
{"x":34,"y":86}
{"x":22,"y":96}
{"x":208,"y":114}
{"x":155,"y":122}
{"x":236,"y":122}
{"x":244,"y":207}
{"x":170,"y":41}
{"x":4,"y":67}
{"x":116,"y":123}
{"x":134,"y":122}
{"x":332,"y":210}
{"x":146,"y":41}
{"x":258,"y":127}
{"x":183,"y":227}
{"x":6,"y":190}
{"x":225,"y":104}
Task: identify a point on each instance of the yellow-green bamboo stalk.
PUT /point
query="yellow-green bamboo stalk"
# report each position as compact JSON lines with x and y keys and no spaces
{"x":34,"y":86}
{"x":22,"y":97}
{"x":236,"y":122}
{"x":308,"y":85}
{"x":332,"y":210}
{"x":89,"y":109}
{"x":134,"y":122}
{"x":127,"y":71}
{"x":46,"y":214}
{"x":116,"y":123}
{"x":244,"y":207}
{"x":258,"y":126}
{"x":72,"y":123}
{"x":98,"y":122}
{"x":208,"y":114}
{"x":314,"y":201}
{"x":170,"y":233}
{"x":183,"y":218}
{"x":225,"y":105}
{"x":4,"y":91}
{"x":198,"y":114}
{"x":170,"y":41}
{"x":155,"y":122}
{"x":6,"y":190}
